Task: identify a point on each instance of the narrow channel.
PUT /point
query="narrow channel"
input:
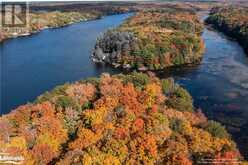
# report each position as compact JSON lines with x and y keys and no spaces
{"x":219,"y":85}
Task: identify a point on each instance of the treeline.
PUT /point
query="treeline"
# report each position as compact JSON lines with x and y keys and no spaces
{"x":112,"y":120}
{"x":153,"y":39}
{"x":53,"y":16}
{"x":41,"y":20}
{"x":233,"y":21}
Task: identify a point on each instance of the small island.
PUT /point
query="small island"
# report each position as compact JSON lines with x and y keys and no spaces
{"x":233,"y":21}
{"x":112,"y":120}
{"x":153,"y":40}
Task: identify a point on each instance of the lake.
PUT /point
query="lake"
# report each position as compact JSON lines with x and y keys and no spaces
{"x":32,"y":65}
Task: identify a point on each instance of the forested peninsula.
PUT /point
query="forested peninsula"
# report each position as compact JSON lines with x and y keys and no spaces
{"x":152,"y":40}
{"x":111,"y":120}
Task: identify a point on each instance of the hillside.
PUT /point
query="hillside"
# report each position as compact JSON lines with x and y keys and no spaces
{"x":119,"y":119}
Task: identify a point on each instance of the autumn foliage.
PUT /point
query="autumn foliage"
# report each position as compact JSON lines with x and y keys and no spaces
{"x":233,"y":21}
{"x":153,"y":39}
{"x":112,"y":120}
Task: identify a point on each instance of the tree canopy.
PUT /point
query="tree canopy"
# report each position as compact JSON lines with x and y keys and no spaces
{"x":119,"y":119}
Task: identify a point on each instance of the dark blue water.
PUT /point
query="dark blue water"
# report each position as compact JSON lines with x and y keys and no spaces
{"x":34,"y":64}
{"x":219,"y":85}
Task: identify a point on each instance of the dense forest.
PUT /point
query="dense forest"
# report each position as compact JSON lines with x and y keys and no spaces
{"x":119,"y":119}
{"x":152,"y":40}
{"x":233,"y":21}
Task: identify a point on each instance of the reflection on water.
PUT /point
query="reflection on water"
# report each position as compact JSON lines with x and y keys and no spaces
{"x":219,"y":85}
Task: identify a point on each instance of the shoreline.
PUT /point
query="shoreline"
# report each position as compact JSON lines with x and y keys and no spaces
{"x":106,"y":52}
{"x":226,"y":32}
{"x":145,"y":69}
{"x":29,"y":33}
{"x":47,"y":27}
{"x":218,"y":19}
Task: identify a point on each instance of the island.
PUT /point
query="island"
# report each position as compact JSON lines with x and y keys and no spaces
{"x":153,"y":39}
{"x":115,"y":119}
{"x":233,"y":21}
